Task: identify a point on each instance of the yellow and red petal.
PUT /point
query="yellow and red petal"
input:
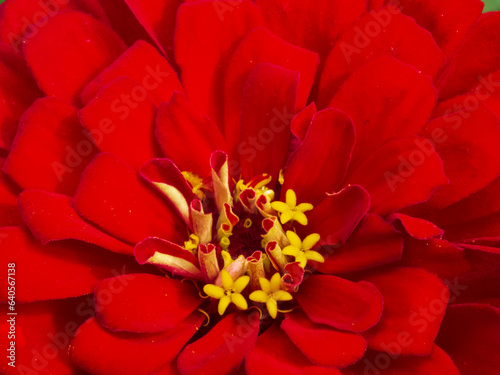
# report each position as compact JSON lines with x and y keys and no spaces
{"x":112,"y":196}
{"x":144,"y":303}
{"x":223,"y":349}
{"x":340,"y":303}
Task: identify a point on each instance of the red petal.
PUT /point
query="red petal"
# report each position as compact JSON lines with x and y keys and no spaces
{"x":168,"y":256}
{"x":260,"y":46}
{"x":330,"y":132}
{"x":314,"y":26}
{"x":395,"y":102}
{"x":437,"y":363}
{"x":275,"y":353}
{"x":469,"y":334}
{"x":447,"y":20}
{"x":51,"y":149}
{"x":50,"y":217}
{"x":269,"y":98}
{"x":144,"y":303}
{"x":323,"y":345}
{"x":399,"y":174}
{"x":468,"y":144}
{"x":64,"y":62}
{"x":487,"y":227}
{"x":9,"y":214}
{"x":17,"y":91}
{"x":477,"y":56}
{"x":385,"y":31}
{"x":373,"y":243}
{"x":416,"y":228}
{"x":335,"y":218}
{"x":414,"y":305}
{"x":55,"y":271}
{"x":143,"y":64}
{"x":96,"y":350}
{"x":223,"y":348}
{"x":202,"y":51}
{"x":187,"y":137}
{"x":112,"y":196}
{"x":158,"y":18}
{"x":437,"y":256}
{"x":301,"y":122}
{"x":340,"y":303}
{"x":120,"y":119}
{"x":42,"y":336}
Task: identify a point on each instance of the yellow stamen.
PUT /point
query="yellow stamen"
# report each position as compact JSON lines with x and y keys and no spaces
{"x":192,"y":244}
{"x":270,"y":294}
{"x":230,"y":292}
{"x":301,"y":250}
{"x":247,"y":223}
{"x":289,"y":210}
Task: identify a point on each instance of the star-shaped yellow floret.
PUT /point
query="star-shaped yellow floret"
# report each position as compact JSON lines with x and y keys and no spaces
{"x":301,"y":250}
{"x":270,"y":294}
{"x":290,"y":210}
{"x":229,"y":292}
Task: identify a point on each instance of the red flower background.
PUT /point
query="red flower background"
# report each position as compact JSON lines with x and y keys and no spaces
{"x":145,"y":147}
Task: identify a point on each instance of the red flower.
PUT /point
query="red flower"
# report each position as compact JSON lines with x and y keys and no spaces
{"x":250,"y":187}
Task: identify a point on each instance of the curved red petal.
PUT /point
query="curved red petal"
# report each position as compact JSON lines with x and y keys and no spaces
{"x":395,"y":102}
{"x":112,"y":195}
{"x":9,"y":214}
{"x":476,"y":57}
{"x":55,"y":271}
{"x":414,"y":305}
{"x":447,"y":20}
{"x":323,"y":345}
{"x":143,"y":64}
{"x":223,"y":348}
{"x":50,"y":217}
{"x":416,"y":228}
{"x":385,"y":31}
{"x":268,"y":105}
{"x":340,"y":303}
{"x":401,"y":173}
{"x":302,"y":120}
{"x":469,"y":334}
{"x":144,"y":303}
{"x":275,"y":353}
{"x":63,"y":63}
{"x":373,"y":243}
{"x":121,"y":118}
{"x":292,"y":21}
{"x":187,"y":137}
{"x":51,"y":149}
{"x":97,"y":350}
{"x":330,"y":132}
{"x":260,"y":46}
{"x":202,"y":52}
{"x":336,"y":217}
{"x":467,"y":141}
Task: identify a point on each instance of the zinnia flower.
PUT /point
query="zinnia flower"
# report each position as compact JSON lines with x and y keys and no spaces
{"x":221,"y":186}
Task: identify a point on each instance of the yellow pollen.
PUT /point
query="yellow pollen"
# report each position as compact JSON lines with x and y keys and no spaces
{"x":192,"y":244}
{"x":247,"y":223}
{"x":289,"y":210}
{"x":230,"y":292}
{"x":270,"y":294}
{"x":196,"y":183}
{"x":301,"y":250}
